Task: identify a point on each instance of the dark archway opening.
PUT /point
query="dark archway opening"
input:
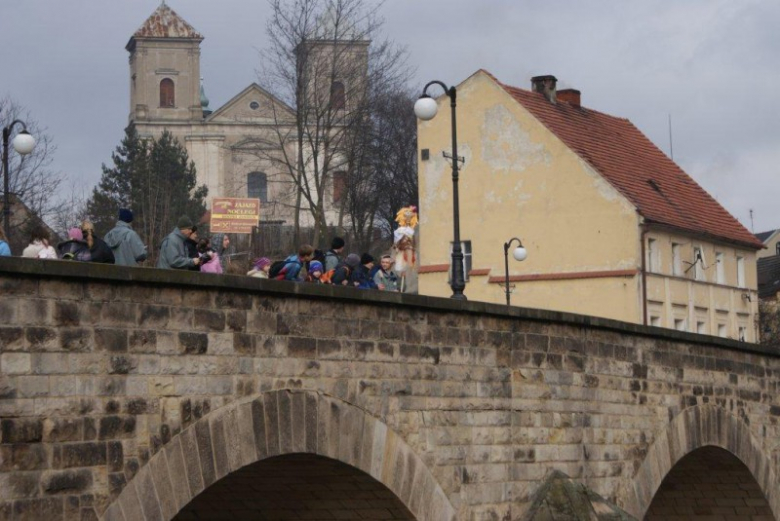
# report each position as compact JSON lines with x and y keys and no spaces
{"x":709,"y":484}
{"x":293,"y":487}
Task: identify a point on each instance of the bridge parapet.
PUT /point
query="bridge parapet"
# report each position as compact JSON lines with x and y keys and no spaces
{"x":102,"y":367}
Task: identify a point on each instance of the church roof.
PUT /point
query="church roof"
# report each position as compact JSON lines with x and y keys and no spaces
{"x":165,"y":23}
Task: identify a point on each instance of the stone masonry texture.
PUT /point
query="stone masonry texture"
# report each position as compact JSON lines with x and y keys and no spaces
{"x":127,"y":393}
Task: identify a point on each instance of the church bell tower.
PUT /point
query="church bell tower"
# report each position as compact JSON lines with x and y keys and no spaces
{"x":165,"y":70}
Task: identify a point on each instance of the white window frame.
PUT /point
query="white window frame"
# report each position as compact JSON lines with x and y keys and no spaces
{"x":740,"y":271}
{"x":677,"y":269}
{"x":720,"y":270}
{"x":722,"y":330}
{"x":652,"y":255}
{"x":698,"y":264}
{"x":742,"y":333}
{"x":701,"y":327}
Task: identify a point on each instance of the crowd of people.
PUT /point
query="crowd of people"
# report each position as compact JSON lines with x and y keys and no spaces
{"x":183,"y":249}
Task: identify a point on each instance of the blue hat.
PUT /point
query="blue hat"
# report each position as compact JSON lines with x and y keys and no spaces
{"x":125,"y":215}
{"x":315,"y":266}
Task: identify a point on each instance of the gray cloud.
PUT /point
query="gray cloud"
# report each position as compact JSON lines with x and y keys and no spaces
{"x":709,"y":63}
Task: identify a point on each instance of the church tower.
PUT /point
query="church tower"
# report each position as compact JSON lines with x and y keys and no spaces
{"x":165,"y":70}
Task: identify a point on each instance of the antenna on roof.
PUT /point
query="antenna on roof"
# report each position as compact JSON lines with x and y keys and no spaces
{"x":752,"y":228}
{"x":671,"y":143}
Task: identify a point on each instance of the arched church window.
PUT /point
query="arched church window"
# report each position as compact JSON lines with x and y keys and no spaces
{"x":257,"y":186}
{"x":337,"y":95}
{"x":167,"y":96}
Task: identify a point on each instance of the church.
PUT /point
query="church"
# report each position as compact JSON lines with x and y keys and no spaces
{"x":248,"y":147}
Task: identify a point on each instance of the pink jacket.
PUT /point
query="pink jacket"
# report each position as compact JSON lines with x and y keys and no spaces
{"x":212,"y":266}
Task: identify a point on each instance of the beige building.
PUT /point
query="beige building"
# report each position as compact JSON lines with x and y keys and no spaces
{"x":239,"y":149}
{"x":613,"y":227}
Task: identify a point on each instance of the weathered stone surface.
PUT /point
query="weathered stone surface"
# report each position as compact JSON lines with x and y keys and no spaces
{"x":148,"y":397}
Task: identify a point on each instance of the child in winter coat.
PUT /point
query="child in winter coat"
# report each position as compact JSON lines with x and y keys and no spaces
{"x":209,"y":258}
{"x":315,"y":272}
{"x":260,"y":268}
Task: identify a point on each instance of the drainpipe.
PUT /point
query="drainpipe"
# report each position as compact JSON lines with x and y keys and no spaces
{"x":644,"y":274}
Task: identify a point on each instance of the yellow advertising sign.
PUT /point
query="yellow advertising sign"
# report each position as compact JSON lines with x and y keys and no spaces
{"x":234,"y":215}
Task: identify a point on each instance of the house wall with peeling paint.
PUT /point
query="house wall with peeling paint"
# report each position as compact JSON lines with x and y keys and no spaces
{"x":520,"y":180}
{"x":584,"y":239}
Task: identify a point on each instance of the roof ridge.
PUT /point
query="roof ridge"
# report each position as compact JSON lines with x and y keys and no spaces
{"x":627,"y":159}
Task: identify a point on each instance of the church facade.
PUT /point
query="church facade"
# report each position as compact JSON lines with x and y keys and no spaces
{"x":246,"y":147}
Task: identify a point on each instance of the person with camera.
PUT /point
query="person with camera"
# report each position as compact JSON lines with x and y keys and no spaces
{"x":209,"y":258}
{"x":173,"y":251}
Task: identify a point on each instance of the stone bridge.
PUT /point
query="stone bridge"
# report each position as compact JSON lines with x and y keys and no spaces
{"x":140,"y":394}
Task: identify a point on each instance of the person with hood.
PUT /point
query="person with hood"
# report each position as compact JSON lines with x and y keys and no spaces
{"x":173,"y":251}
{"x":125,"y":244}
{"x":344,"y":270}
{"x":74,"y":248}
{"x":98,"y":249}
{"x":220,"y":242}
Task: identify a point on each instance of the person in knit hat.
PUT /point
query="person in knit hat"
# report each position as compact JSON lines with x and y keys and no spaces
{"x":316,"y":270}
{"x":126,"y":245}
{"x":333,"y":255}
{"x":260,"y":268}
{"x":74,"y":248}
{"x":173,"y":250}
{"x":361,"y":276}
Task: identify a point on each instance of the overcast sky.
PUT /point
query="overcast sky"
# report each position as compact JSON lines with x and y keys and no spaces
{"x":711,"y":64}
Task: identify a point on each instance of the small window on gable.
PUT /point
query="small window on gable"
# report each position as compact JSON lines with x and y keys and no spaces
{"x":167,"y":95}
{"x":339,"y":187}
{"x":257,"y":186}
{"x":337,"y":96}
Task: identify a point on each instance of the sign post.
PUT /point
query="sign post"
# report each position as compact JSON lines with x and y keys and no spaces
{"x":234,"y":215}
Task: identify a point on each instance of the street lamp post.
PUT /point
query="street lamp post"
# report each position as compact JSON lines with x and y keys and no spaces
{"x":23,"y":144}
{"x":426,"y":108}
{"x":520,"y":254}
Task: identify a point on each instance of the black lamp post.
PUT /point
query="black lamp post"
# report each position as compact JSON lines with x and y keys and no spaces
{"x":520,"y":254}
{"x":425,"y":108}
{"x":23,"y":144}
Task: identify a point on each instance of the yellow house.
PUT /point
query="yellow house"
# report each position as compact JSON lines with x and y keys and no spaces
{"x":612,"y":226}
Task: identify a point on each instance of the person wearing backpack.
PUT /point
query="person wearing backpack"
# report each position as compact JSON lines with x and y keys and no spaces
{"x":292,"y":268}
{"x":333,"y":255}
{"x":344,"y":270}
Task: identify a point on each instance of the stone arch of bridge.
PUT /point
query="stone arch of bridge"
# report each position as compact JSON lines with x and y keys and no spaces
{"x":271,"y":424}
{"x":694,"y":428}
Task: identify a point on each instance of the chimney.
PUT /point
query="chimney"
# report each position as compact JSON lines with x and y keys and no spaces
{"x":570,"y":96}
{"x":545,"y":85}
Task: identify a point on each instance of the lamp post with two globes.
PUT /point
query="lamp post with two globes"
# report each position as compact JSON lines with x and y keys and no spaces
{"x":425,"y":109}
{"x":23,"y":144}
{"x":520,"y":254}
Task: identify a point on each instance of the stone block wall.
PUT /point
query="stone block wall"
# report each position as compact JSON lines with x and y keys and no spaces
{"x":103,"y":369}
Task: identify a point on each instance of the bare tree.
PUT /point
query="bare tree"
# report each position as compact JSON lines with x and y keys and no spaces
{"x":326,"y":58}
{"x":31,"y":178}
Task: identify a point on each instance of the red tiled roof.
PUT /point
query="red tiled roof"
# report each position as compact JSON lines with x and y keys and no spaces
{"x":165,"y":23}
{"x":661,"y":191}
